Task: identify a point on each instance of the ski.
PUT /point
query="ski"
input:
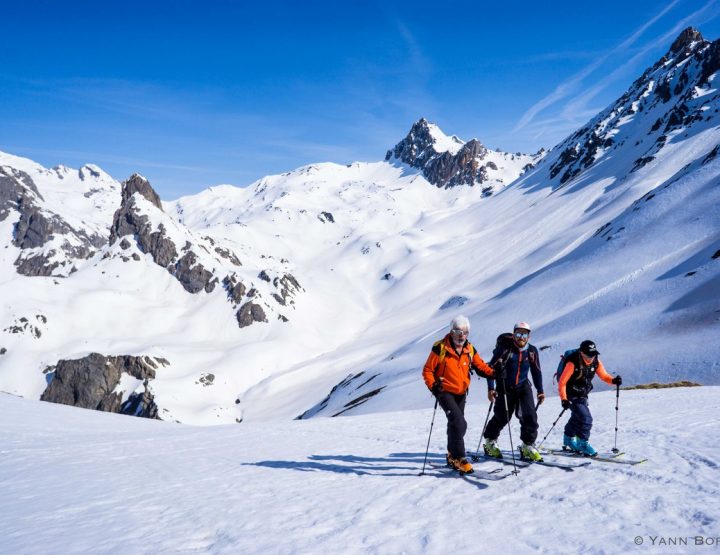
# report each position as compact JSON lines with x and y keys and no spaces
{"x":491,"y":475}
{"x":520,"y":463}
{"x":569,"y":453}
{"x":615,"y":458}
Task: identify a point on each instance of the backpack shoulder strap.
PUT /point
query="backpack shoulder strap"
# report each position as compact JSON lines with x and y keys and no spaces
{"x":471,"y":350}
{"x":440,"y":350}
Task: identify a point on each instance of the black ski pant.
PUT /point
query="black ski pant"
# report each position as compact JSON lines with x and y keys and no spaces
{"x":581,"y":420}
{"x":519,"y":401}
{"x":454,"y":407}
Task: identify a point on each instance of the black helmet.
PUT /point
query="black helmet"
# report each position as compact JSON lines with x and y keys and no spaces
{"x":588,"y":348}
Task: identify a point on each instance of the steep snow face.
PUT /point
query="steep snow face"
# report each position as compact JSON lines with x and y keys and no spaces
{"x":351,"y":485}
{"x":443,"y":143}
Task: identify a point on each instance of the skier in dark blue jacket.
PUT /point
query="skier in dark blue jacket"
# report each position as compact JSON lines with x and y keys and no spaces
{"x":514,"y":360}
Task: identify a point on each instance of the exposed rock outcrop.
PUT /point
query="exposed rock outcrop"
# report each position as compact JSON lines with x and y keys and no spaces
{"x":50,"y":245}
{"x":92,"y":383}
{"x":449,"y":162}
{"x":132,"y":219}
{"x":250,"y":312}
{"x":675,"y":90}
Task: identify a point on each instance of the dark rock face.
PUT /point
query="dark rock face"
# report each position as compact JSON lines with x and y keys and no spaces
{"x":129,"y":221}
{"x":193,"y":276}
{"x":138,"y":184}
{"x":227,"y":254}
{"x":249,"y":313}
{"x":442,"y":169}
{"x":345,"y":396}
{"x":326,"y":217}
{"x":36,"y":227}
{"x":235,"y":290}
{"x":288,"y":286}
{"x":90,"y":383}
{"x":685,"y":40}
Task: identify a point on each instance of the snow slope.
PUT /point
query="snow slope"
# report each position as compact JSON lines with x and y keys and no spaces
{"x":81,"y":482}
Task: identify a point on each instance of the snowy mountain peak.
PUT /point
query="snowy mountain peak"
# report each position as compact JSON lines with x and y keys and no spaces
{"x":686,"y":40}
{"x":446,"y":161}
{"x":674,"y":100}
{"x":138,"y":184}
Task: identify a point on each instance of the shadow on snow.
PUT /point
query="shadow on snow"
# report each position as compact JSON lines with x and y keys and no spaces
{"x":395,"y":464}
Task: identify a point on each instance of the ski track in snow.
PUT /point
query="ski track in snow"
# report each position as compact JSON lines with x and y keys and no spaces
{"x":76,"y":481}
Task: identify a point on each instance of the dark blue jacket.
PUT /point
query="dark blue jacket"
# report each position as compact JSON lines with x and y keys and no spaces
{"x":516,"y":365}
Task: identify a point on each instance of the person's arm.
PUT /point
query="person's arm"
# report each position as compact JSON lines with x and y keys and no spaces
{"x":564,"y":379}
{"x":429,"y":369}
{"x":536,"y":371}
{"x":481,"y":367}
{"x":494,"y":361}
{"x":603,"y":374}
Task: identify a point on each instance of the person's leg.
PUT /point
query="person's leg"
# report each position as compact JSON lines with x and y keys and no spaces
{"x":454,"y":406}
{"x":585,"y":419}
{"x":499,"y":418}
{"x":527,"y":414}
{"x":575,"y":423}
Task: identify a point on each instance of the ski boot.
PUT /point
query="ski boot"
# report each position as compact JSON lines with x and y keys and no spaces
{"x":528,"y":452}
{"x":491,"y":449}
{"x":585,"y":448}
{"x":461,"y":465}
{"x":570,"y":443}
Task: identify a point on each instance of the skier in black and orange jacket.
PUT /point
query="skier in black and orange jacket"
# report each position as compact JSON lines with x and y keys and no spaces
{"x":574,"y":385}
{"x":447,"y":376}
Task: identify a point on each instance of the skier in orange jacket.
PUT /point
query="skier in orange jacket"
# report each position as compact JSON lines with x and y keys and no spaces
{"x":447,"y":376}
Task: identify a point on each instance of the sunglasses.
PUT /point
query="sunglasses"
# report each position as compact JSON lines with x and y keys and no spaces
{"x":521,"y":335}
{"x":459,"y":332}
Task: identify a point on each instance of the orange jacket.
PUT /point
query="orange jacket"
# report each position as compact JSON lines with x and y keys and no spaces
{"x":569,"y":370}
{"x":454,"y":369}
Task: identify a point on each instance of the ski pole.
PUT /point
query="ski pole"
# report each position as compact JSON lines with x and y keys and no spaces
{"x":512,"y":449}
{"x":617,"y":401}
{"x":551,"y":429}
{"x":432,"y":422}
{"x":477,"y":451}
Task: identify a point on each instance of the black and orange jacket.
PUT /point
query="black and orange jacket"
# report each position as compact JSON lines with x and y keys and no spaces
{"x":454,"y":368}
{"x":576,"y":377}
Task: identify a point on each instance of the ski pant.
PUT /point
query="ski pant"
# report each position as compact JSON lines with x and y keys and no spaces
{"x":454,"y":407}
{"x":519,"y":401}
{"x":581,"y":420}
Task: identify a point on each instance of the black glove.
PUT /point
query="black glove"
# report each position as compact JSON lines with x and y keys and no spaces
{"x":566,"y":404}
{"x":499,"y":368}
{"x":617,"y":380}
{"x":437,"y":387}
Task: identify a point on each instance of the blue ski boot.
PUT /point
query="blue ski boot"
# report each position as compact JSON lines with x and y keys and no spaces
{"x":570,"y":443}
{"x":585,"y":448}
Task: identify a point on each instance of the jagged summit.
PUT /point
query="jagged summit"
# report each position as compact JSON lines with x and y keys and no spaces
{"x":686,"y":40}
{"x":447,"y":161}
{"x":138,"y":184}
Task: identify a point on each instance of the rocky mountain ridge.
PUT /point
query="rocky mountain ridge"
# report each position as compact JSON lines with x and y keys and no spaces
{"x":449,"y":162}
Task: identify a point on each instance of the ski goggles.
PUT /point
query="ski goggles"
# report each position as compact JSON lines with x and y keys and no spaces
{"x":459,"y":332}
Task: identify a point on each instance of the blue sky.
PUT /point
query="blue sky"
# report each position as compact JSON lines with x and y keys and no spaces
{"x":192,"y":94}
